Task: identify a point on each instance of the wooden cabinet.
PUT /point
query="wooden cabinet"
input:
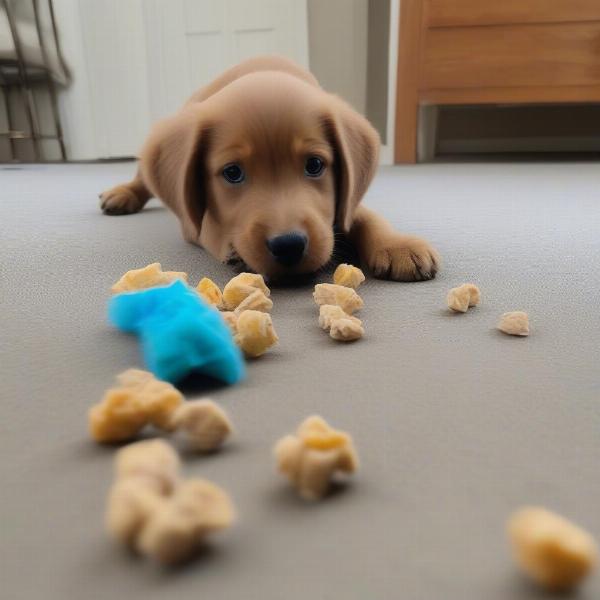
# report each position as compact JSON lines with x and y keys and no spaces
{"x":485,"y":52}
{"x":464,"y":13}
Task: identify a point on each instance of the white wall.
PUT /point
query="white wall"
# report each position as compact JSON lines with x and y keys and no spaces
{"x":387,"y":149}
{"x":343,"y":58}
{"x":337,"y":34}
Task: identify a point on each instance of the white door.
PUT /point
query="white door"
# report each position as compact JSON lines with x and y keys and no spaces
{"x":135,"y":61}
{"x":190,"y":42}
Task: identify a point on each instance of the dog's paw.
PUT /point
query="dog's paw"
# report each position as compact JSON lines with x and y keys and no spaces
{"x":120,"y":200}
{"x":404,"y":258}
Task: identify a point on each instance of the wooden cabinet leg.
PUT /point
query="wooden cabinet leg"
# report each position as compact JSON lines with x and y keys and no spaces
{"x":405,"y":144}
{"x":407,"y":81}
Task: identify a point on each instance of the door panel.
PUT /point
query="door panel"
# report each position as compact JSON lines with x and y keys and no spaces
{"x":190,"y":42}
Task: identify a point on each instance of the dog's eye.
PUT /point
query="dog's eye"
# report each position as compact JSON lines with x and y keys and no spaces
{"x":233,"y":173}
{"x":314,"y":166}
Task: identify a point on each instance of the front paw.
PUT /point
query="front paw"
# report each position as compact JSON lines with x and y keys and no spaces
{"x":120,"y":200}
{"x":403,"y":258}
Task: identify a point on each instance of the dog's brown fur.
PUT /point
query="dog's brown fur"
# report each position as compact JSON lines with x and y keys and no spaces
{"x":269,"y":114}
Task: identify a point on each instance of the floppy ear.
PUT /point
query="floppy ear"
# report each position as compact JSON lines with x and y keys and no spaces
{"x":172,"y":166}
{"x":356,"y":147}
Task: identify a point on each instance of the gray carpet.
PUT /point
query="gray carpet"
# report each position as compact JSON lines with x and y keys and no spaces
{"x":456,"y":425}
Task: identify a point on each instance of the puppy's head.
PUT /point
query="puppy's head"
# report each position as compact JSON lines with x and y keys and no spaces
{"x":263,"y":170}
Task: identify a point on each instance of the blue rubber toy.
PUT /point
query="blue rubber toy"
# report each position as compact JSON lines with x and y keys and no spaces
{"x":179,"y":333}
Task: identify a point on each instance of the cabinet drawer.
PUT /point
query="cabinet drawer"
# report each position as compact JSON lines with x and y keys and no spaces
{"x":511,"y":55}
{"x":452,"y":13}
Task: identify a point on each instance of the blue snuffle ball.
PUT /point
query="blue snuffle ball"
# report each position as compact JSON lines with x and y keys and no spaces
{"x":179,"y":333}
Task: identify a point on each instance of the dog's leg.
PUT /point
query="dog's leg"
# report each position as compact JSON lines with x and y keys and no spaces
{"x":389,"y":254}
{"x":126,"y":198}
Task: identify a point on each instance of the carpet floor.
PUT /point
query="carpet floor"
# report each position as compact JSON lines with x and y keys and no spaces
{"x":456,"y":425}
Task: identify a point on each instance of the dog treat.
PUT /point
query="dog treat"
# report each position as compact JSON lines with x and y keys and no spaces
{"x":154,"y":462}
{"x":346,"y":330}
{"x":514,"y":323}
{"x":553,"y":551}
{"x":341,"y":326}
{"x":158,"y":399}
{"x":179,"y":333}
{"x":348,"y":276}
{"x":141,"y":400}
{"x":231,"y":319}
{"x":329,"y":313}
{"x":314,"y":455}
{"x":131,"y":504}
{"x":344,"y":297}
{"x":474,"y":294}
{"x":240,"y":287}
{"x":205,"y":423}
{"x":210,"y":292}
{"x":462,"y":297}
{"x":145,"y":473}
{"x":255,"y":301}
{"x":255,"y":332}
{"x":150,"y":510}
{"x":196,"y":509}
{"x":147,"y":277}
{"x":117,"y":418}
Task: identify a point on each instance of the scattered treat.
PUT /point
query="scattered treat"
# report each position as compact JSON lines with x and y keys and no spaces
{"x":341,"y":326}
{"x":348,"y":276}
{"x":124,"y":411}
{"x":143,"y":400}
{"x":158,"y":399}
{"x":147,"y":277}
{"x":131,"y":504}
{"x":313,"y":456}
{"x":255,"y":332}
{"x":153,"y":461}
{"x":346,"y":330}
{"x":231,"y":319}
{"x":179,"y":333}
{"x":462,"y":297}
{"x":118,"y":417}
{"x":328,"y":313}
{"x":474,"y":294}
{"x":514,"y":323}
{"x":205,"y":423}
{"x":210,"y":292}
{"x":150,"y":510}
{"x":196,"y":509}
{"x":145,"y":473}
{"x":255,"y":301}
{"x":554,"y":552}
{"x":344,"y":297}
{"x":240,"y":287}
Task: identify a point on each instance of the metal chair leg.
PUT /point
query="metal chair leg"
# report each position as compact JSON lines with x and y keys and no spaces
{"x":10,"y":123}
{"x":24,"y":85}
{"x":48,"y":76}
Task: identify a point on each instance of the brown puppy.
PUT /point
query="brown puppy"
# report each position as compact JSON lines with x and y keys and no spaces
{"x":261,"y":165}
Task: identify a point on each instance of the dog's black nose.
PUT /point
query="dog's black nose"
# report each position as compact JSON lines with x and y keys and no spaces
{"x":289,"y":248}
